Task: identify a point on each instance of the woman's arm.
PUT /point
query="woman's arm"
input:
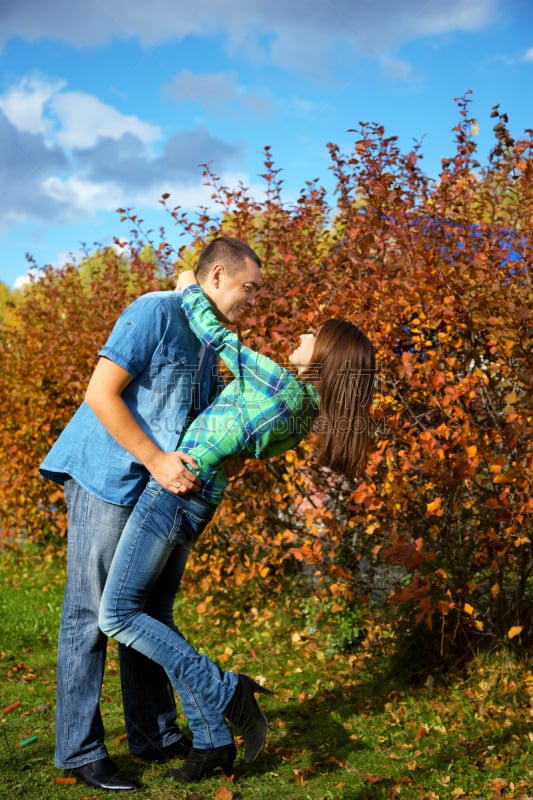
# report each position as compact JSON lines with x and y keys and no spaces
{"x":186,"y":278}
{"x":244,"y":363}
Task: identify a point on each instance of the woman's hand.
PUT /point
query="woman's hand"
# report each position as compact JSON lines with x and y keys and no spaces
{"x":186,"y":278}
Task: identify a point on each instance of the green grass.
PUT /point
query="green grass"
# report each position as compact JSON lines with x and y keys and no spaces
{"x":342,"y":726}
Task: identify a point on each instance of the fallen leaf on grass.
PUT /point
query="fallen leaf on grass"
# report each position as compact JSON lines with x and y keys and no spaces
{"x":421,"y":731}
{"x":499,"y":786}
{"x":301,"y":776}
{"x":370,"y":778}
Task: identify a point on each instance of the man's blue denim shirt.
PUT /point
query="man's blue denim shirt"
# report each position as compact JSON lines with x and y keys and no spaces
{"x":153,"y":342}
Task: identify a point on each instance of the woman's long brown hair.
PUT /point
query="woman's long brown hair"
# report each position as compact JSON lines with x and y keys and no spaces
{"x":342,"y":368}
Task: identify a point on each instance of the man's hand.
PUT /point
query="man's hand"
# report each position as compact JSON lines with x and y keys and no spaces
{"x":171,"y":472}
{"x":186,"y":278}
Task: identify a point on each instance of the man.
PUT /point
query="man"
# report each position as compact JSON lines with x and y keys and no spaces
{"x":152,"y":377}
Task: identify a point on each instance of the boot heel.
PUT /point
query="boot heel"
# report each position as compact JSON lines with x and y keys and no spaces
{"x":256,"y":687}
{"x":246,"y":715}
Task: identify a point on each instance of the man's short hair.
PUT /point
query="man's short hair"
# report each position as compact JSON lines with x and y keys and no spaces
{"x":228,"y":251}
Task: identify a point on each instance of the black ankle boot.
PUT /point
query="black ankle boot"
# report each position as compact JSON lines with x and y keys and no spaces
{"x":202,"y":763}
{"x":246,"y":715}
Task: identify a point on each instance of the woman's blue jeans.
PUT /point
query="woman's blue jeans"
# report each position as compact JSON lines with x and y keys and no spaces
{"x":137,"y":603}
{"x":94,"y":528}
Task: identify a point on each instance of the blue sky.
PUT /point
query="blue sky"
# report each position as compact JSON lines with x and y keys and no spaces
{"x":110,"y":103}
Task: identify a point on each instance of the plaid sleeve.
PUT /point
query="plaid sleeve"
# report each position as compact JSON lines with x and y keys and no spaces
{"x":244,"y":363}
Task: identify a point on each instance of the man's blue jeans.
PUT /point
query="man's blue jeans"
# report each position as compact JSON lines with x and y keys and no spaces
{"x":136,"y":606}
{"x":149,"y":708}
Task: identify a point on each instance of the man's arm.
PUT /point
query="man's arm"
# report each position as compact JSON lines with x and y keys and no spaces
{"x":104,"y":397}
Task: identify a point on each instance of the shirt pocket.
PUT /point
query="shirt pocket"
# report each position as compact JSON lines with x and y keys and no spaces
{"x":171,"y":373}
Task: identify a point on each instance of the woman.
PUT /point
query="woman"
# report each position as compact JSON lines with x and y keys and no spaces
{"x":264,"y":411}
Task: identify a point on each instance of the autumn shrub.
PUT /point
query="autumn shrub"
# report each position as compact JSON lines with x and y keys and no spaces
{"x":438,"y":273}
{"x":447,"y":497}
{"x":48,"y":350}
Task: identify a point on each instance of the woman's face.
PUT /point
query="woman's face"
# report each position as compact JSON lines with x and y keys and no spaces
{"x":301,"y":357}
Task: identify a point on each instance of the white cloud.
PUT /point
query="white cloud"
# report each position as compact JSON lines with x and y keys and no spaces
{"x":84,"y":119}
{"x":216,"y":92}
{"x":25,"y":104}
{"x":67,"y":155}
{"x":69,"y":119}
{"x":397,"y":70}
{"x":275,"y":29}
{"x":89,"y":197}
{"x":22,"y":281}
{"x":82,"y":195}
{"x":213,"y":89}
{"x":528,"y":55}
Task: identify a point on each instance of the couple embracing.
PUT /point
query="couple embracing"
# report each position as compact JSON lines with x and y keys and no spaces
{"x":142,"y":462}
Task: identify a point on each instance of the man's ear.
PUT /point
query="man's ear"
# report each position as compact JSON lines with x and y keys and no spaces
{"x":217,"y":273}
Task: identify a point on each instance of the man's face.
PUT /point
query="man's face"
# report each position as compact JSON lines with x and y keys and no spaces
{"x":235,"y":294}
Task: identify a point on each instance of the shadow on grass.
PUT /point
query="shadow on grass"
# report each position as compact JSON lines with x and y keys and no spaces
{"x":312,"y":739}
{"x":315,"y":737}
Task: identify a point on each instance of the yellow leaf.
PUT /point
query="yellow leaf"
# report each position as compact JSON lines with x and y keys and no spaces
{"x":501,"y":479}
{"x":471,"y":451}
{"x":468,"y":609}
{"x":435,"y":506}
{"x":514,"y":631}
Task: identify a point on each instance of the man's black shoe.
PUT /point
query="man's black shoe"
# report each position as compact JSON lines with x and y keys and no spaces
{"x":103,"y":774}
{"x":179,"y":749}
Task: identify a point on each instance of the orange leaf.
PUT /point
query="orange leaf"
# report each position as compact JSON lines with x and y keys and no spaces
{"x":223,"y":793}
{"x":435,"y":507}
{"x":420,"y":732}
{"x":370,"y":778}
